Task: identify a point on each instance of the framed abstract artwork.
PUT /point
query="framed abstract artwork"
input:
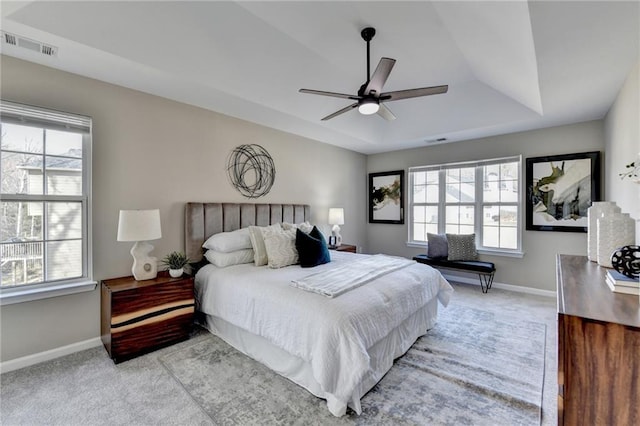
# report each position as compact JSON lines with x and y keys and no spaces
{"x":560,"y":189}
{"x":386,"y":197}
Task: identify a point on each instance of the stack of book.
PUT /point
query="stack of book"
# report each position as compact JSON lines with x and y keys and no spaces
{"x":621,"y":283}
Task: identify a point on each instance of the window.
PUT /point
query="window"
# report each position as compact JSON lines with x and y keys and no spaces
{"x":481,"y":197}
{"x":45,"y":170}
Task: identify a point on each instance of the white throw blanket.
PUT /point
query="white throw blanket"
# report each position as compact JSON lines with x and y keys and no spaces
{"x":345,"y":277}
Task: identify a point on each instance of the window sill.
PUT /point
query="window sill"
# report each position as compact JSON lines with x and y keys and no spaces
{"x":10,"y":296}
{"x":516,"y":254}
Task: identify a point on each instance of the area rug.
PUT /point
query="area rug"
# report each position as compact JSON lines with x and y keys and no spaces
{"x":472,"y":368}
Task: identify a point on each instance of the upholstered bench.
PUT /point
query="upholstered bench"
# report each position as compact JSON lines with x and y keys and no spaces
{"x":485,"y":270}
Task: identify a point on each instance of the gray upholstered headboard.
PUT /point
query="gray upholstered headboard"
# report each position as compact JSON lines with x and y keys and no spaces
{"x":202,"y":220}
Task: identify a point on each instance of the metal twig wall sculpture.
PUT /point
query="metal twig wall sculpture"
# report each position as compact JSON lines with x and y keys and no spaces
{"x":251,"y":170}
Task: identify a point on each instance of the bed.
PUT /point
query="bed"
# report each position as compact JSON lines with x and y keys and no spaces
{"x":336,"y":348}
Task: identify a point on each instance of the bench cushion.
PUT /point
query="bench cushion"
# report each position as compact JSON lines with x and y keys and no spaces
{"x":467,"y":265}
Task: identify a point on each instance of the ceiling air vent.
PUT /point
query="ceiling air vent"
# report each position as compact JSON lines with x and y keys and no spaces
{"x":10,"y":39}
{"x":25,"y":43}
{"x":48,"y":50}
{"x":439,"y":140}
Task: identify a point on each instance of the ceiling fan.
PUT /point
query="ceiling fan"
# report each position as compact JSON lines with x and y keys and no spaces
{"x":370,"y":97}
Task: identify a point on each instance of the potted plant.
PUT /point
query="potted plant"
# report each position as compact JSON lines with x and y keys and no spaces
{"x":176,"y":261}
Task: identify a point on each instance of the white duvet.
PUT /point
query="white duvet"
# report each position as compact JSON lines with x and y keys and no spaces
{"x":333,"y":335}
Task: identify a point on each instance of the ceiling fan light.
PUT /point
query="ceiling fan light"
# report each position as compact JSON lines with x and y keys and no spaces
{"x":368,"y":107}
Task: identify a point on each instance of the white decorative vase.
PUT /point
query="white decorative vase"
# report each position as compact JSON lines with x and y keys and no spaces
{"x":596,"y":211}
{"x":176,"y":273}
{"x":614,"y":230}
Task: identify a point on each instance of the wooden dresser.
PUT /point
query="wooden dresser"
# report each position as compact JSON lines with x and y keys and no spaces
{"x":142,"y":316}
{"x":598,"y":348}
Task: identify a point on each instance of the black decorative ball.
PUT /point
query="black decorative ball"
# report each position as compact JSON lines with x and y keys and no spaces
{"x":251,"y":170}
{"x":626,"y":260}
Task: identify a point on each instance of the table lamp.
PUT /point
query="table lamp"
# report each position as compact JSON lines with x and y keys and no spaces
{"x":336,"y":218}
{"x":141,"y":226}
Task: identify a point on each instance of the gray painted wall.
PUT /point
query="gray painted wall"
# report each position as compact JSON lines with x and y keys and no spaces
{"x":536,"y":269}
{"x":622,"y":134}
{"x":150,"y":152}
{"x":144,"y":158}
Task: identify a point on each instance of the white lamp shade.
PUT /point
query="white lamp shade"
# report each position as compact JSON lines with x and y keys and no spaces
{"x":336,"y":216}
{"x":139,"y":225}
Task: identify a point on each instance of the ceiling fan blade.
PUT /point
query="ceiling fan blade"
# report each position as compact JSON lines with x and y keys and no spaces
{"x":413,"y":93}
{"x":380,"y":76}
{"x":342,"y":111}
{"x":332,"y":94}
{"x":386,"y":113}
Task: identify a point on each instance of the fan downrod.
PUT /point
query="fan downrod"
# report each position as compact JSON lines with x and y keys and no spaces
{"x":367,"y":34}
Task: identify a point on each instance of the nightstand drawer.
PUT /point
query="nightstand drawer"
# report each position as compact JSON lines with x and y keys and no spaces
{"x":150,"y":334}
{"x":142,"y":316}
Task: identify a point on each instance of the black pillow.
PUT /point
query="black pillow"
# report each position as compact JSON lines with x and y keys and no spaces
{"x":312,"y":248}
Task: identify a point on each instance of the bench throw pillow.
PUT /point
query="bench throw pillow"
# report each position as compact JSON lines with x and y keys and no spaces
{"x":462,"y":247}
{"x":437,"y":246}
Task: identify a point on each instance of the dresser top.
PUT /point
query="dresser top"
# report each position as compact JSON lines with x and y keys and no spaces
{"x":583,"y":292}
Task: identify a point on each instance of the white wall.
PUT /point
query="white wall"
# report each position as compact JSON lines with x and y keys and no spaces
{"x":149,"y":152}
{"x":537,"y":268}
{"x":622,"y":141}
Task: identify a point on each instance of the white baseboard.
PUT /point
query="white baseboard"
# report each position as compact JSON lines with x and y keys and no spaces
{"x":26,"y":361}
{"x":510,"y":287}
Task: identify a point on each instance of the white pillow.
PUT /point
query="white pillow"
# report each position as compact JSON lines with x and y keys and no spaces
{"x":222,"y":260}
{"x":257,"y":242}
{"x":305,"y":227}
{"x":228,"y":242}
{"x":281,"y":248}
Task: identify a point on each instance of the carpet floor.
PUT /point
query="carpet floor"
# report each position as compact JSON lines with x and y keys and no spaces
{"x":87,"y":388}
{"x":474,"y":368}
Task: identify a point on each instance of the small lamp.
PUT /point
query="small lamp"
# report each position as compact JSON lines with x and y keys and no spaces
{"x":336,"y":217}
{"x":141,"y":226}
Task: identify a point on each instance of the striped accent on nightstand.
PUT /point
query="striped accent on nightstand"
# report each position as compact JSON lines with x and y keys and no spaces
{"x":151,"y":315}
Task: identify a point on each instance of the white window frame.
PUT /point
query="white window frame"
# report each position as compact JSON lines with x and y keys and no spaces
{"x":11,"y":112}
{"x":478,"y":203}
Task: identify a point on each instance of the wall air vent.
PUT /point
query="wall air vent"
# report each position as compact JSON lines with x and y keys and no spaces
{"x":25,"y":43}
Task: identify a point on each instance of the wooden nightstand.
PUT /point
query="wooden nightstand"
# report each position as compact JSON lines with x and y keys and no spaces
{"x":141,"y":316}
{"x":345,"y":247}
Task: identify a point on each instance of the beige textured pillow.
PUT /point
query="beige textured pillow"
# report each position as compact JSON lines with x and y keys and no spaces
{"x":257,"y":242}
{"x":305,"y":227}
{"x":281,"y":248}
